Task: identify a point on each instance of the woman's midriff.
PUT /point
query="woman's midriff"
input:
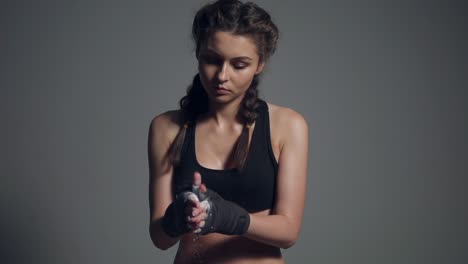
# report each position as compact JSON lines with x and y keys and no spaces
{"x":223,"y":249}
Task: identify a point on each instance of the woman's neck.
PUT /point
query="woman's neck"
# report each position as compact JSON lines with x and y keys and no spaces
{"x":224,"y":115}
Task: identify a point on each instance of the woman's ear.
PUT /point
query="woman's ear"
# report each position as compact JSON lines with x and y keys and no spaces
{"x":260,"y":68}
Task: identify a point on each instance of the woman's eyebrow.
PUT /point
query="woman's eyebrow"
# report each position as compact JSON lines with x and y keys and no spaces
{"x":209,"y":50}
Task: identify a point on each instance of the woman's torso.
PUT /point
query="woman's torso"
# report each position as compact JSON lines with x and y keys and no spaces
{"x":209,"y":158}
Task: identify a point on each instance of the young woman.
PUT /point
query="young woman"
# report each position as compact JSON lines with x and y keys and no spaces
{"x":228,"y":170}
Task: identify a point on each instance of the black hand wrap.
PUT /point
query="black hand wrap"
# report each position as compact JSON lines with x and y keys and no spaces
{"x":174,"y":222}
{"x":224,"y":216}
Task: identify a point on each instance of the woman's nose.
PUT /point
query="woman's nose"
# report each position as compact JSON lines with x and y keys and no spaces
{"x":222,"y":73}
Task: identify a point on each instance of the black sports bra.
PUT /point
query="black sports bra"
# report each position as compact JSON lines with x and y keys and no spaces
{"x":254,"y":188}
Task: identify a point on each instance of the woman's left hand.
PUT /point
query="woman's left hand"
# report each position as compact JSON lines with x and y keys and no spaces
{"x":219,"y":215}
{"x":197,"y":213}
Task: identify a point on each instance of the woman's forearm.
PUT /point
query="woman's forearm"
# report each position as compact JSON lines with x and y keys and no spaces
{"x":275,"y":230}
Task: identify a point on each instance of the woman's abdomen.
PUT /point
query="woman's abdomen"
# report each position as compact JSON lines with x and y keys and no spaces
{"x":222,"y":249}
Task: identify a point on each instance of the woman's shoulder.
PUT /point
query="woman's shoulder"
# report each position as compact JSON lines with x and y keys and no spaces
{"x":286,"y":123}
{"x":285,"y":116}
{"x":166,"y":126}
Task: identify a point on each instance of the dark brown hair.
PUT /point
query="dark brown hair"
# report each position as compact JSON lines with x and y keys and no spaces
{"x":246,"y":19}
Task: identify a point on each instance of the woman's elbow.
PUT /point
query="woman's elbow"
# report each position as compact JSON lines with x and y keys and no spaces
{"x":161,"y":245}
{"x":290,"y":240}
{"x":288,"y":243}
{"x":158,"y":239}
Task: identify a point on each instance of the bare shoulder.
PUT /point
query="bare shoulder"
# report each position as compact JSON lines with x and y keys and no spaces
{"x":286,"y":123}
{"x":286,"y":117}
{"x":164,"y":127}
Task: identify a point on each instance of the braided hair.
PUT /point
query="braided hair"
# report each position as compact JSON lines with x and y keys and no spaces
{"x":246,"y":19}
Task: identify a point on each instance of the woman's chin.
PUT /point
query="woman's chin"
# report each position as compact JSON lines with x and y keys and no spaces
{"x":223,"y":100}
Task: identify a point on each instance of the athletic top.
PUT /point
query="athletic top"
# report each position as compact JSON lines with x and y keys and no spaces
{"x":254,"y":187}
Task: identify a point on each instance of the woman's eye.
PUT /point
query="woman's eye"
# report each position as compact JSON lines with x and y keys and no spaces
{"x":217,"y":61}
{"x":240,"y":66}
{"x":210,"y":60}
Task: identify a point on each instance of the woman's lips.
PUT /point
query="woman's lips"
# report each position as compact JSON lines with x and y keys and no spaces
{"x":221,"y":90}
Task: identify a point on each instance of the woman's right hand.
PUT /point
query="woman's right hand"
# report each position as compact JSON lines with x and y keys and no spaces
{"x":186,"y":213}
{"x":175,"y":220}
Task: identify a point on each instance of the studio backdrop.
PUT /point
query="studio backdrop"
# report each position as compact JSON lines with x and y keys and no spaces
{"x":382,"y":85}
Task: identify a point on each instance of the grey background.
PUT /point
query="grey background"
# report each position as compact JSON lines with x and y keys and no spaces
{"x":382,"y":85}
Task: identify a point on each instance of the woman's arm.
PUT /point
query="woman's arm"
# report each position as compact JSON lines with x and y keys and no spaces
{"x":162,"y":131}
{"x":281,"y":228}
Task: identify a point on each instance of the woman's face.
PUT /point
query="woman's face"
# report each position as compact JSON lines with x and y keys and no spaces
{"x":227,"y":64}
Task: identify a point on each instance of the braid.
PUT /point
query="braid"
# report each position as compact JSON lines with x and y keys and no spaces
{"x":192,"y":105}
{"x":248,"y":114}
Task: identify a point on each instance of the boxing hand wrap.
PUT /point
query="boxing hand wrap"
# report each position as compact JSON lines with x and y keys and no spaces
{"x":174,"y":222}
{"x":224,"y":216}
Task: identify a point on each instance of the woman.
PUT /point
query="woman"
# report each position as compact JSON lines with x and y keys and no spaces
{"x":228,"y":170}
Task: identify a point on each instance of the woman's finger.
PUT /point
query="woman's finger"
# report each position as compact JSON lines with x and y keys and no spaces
{"x":194,"y":211}
{"x":196,"y":178}
{"x":192,"y":226}
{"x":198,"y":218}
{"x":199,"y":227}
{"x":202,"y":193}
